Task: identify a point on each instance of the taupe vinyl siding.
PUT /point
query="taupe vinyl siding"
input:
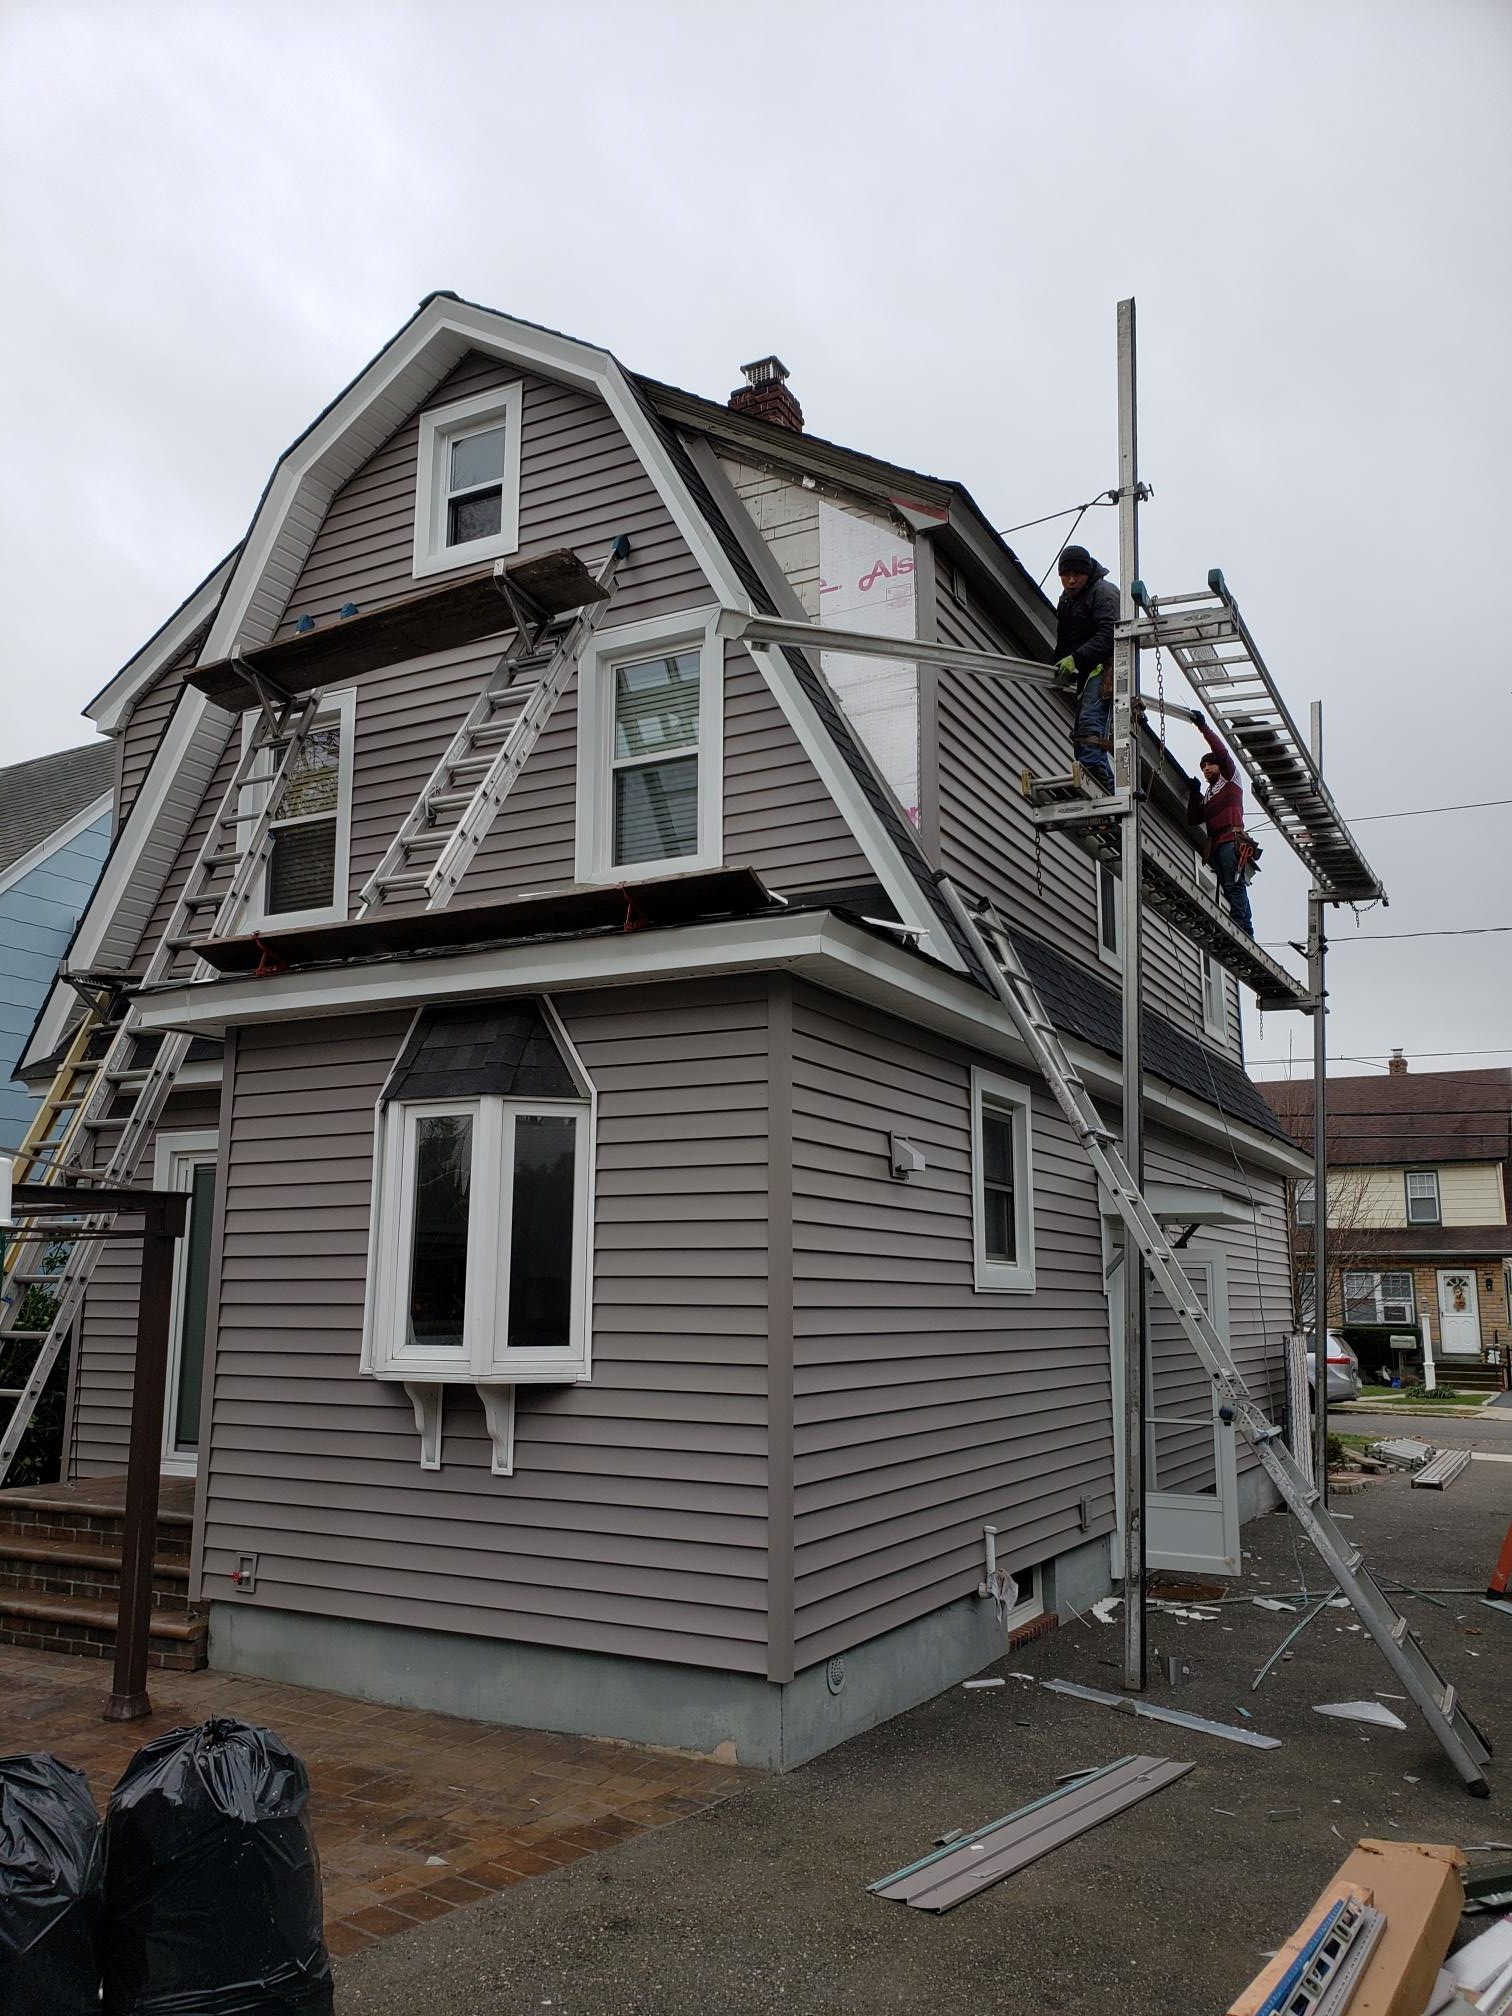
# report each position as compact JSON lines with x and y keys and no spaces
{"x":193,"y":840}
{"x":99,"y":1428}
{"x":580,"y":484}
{"x":143,"y":731}
{"x":636,"y":1518}
{"x":922,"y":1409}
{"x":1259,"y":1277}
{"x":989,"y":732}
{"x":778,"y":816}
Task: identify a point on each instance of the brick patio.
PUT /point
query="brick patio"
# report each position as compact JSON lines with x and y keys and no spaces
{"x":391,"y":1787}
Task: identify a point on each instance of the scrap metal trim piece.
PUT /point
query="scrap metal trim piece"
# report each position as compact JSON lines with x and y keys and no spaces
{"x":1005,"y":1846}
{"x":1444,"y":1468}
{"x":1150,"y":1713}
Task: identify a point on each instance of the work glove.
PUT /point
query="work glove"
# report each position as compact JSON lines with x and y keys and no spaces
{"x":1066,"y":667}
{"x":1197,"y":720}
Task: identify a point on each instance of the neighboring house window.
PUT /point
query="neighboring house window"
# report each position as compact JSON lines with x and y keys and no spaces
{"x":650,"y":745}
{"x":1108,"y":942}
{"x":1422,"y":1197}
{"x":1306,"y":1296}
{"x":1002,"y":1184}
{"x":467,"y":498}
{"x":1215,"y":1000}
{"x":305,"y":881}
{"x":1379,"y":1298}
{"x":482,"y":1220}
{"x":1305,"y":1201}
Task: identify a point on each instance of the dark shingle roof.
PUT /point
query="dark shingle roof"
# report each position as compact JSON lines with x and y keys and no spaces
{"x":1082,"y":1005}
{"x":38,"y":797}
{"x":1408,"y":1116}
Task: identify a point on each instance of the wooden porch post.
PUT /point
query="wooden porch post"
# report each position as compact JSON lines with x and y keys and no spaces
{"x":163,"y":1220}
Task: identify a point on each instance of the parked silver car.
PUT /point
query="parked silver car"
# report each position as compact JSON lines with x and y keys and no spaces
{"x":1343,"y":1369}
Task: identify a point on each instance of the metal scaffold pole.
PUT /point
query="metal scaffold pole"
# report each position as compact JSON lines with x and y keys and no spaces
{"x":1126,"y":778}
{"x":1317,"y":956}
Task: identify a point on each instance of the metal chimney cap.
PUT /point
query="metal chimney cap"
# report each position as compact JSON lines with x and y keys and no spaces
{"x":765,"y":371}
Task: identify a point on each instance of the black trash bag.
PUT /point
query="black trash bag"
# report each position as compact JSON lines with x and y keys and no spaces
{"x":212,"y":1882}
{"x":51,"y":1887}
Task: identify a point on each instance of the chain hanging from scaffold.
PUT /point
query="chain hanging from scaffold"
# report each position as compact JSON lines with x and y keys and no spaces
{"x":1039,"y":864}
{"x":1160,"y":694}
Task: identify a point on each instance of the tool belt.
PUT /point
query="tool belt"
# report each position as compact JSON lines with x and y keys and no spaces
{"x":1247,"y":851}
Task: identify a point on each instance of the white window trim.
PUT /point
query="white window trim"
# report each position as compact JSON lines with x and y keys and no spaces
{"x":1109,"y":956}
{"x":175,"y":1156}
{"x":1377,"y":1276}
{"x":1436,"y":1198}
{"x":427,"y":1368}
{"x":1031,"y":1603}
{"x":255,"y":918}
{"x":595,"y":807}
{"x":1305,"y":1193}
{"x":438,"y":429}
{"x":1213,"y":979}
{"x":997,"y":1276}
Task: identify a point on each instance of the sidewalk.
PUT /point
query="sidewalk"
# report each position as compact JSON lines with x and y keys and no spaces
{"x":414,"y":1814}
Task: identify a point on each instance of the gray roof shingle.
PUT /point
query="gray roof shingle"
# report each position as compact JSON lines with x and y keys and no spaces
{"x":39,"y":796}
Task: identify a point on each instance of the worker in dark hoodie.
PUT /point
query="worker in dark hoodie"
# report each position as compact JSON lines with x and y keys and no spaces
{"x":1085,"y":617}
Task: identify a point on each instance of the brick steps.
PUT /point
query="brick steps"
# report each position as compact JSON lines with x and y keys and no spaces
{"x":60,"y":1567}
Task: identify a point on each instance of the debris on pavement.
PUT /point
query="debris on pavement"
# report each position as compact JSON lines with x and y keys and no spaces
{"x":1441,"y":1472}
{"x":1484,"y":1967}
{"x":1104,"y":1607}
{"x":950,"y":1875}
{"x":1360,"y":1711}
{"x":1284,"y":1813}
{"x":984,"y":1683}
{"x":1149,"y":1712}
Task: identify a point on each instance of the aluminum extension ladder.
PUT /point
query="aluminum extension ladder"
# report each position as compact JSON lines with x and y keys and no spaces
{"x":238,"y":844}
{"x":484,"y":758}
{"x":1433,"y":1696}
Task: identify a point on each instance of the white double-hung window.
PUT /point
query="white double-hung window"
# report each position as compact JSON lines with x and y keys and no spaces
{"x":1422,"y":1197}
{"x":305,"y":881}
{"x":1002,"y":1185}
{"x":482,"y":1219}
{"x":467,"y":494}
{"x":651,"y":712}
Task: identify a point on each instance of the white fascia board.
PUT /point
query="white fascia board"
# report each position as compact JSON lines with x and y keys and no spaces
{"x":60,"y":836}
{"x":815,"y":946}
{"x":111,"y":705}
{"x":121,"y":867}
{"x":312,"y":469}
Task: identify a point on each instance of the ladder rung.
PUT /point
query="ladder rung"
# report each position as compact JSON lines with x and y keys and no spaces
{"x":448,"y":798}
{"x":407,"y":881}
{"x":24,"y":1336}
{"x":12,"y":1392}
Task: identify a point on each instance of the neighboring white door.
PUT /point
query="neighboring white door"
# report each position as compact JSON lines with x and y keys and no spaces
{"x":1191,"y":1457}
{"x":186,"y":1161}
{"x":1459,"y":1313}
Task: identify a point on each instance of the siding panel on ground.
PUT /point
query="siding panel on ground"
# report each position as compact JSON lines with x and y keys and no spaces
{"x":922,"y":1409}
{"x":635,"y":1521}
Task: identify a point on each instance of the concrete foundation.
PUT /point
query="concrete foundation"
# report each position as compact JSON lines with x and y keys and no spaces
{"x":739,"y":1716}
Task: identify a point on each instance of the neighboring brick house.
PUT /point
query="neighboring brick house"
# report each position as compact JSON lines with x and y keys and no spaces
{"x":1420,"y":1174}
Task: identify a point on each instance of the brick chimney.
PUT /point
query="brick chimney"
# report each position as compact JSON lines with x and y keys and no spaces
{"x":765,"y":395}
{"x":1398,"y":1065}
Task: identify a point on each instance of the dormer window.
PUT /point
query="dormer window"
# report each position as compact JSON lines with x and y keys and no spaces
{"x":467,"y":497}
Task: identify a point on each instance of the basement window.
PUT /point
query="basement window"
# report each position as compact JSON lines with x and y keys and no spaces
{"x":467,"y":498}
{"x":482,"y":1218}
{"x":651,"y":712}
{"x":305,"y":881}
{"x":1423,"y":1197}
{"x":1002,"y":1185}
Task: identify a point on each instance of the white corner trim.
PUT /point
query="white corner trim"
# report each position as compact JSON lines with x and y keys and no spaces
{"x":594,"y":816}
{"x":72,"y":827}
{"x":432,"y":555}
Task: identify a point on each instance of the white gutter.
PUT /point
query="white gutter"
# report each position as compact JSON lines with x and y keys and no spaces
{"x":816,"y":946}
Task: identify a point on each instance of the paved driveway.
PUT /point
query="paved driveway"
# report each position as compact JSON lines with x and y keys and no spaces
{"x":760,"y":1905}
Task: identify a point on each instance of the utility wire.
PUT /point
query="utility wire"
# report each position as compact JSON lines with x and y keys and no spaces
{"x":1386,"y":937}
{"x":1380,"y":1056}
{"x":1420,"y":812}
{"x":1102,"y":497}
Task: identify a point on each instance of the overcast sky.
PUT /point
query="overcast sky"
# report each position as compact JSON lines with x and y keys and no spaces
{"x":215,"y":214}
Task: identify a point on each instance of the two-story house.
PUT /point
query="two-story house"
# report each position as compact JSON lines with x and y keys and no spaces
{"x":622,"y":1287}
{"x":1420,"y":1174}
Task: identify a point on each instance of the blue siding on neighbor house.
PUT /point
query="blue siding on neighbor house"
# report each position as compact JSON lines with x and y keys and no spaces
{"x":37,"y":917}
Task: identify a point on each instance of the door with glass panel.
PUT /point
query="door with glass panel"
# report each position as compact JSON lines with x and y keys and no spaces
{"x":187,"y":1161}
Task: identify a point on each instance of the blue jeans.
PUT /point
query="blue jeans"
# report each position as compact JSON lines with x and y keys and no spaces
{"x":1092,"y":713}
{"x":1225,"y":863}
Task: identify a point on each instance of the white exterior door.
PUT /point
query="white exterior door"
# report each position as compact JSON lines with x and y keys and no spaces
{"x":1459,"y":1313}
{"x":1191,"y":1457}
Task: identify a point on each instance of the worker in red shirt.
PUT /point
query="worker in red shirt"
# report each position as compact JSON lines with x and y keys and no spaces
{"x":1219,"y":814}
